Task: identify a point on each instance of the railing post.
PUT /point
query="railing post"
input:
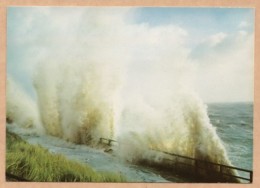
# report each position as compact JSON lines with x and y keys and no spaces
{"x":221,"y":172}
{"x":176,"y":163}
{"x":196,"y":167}
{"x":251,"y":176}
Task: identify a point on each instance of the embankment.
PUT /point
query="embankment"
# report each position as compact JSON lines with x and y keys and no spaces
{"x":34,"y":163}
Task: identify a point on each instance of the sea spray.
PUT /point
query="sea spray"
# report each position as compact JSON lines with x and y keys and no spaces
{"x":100,"y":75}
{"x":77,"y":103}
{"x":20,"y":108}
{"x":182,"y":127}
{"x":48,"y":101}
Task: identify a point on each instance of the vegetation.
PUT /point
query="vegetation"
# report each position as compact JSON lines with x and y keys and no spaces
{"x":35,"y":163}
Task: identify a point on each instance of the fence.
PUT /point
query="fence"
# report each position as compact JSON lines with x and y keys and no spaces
{"x":107,"y":141}
{"x":218,"y":171}
{"x":201,"y":168}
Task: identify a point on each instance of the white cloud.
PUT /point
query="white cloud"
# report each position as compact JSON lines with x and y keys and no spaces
{"x":99,"y":35}
{"x":225,"y":73}
{"x":242,"y":32}
{"x":153,"y":57}
{"x":244,"y":24}
{"x":216,"y":39}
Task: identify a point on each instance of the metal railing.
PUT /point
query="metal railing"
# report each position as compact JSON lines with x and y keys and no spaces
{"x":221,"y":169}
{"x":196,"y":166}
{"x":107,"y":141}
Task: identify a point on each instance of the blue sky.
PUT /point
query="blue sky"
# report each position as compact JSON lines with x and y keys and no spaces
{"x":200,"y":22}
{"x":206,"y":35}
{"x":202,"y":18}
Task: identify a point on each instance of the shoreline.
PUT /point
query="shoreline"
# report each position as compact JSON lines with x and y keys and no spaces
{"x":29,"y":162}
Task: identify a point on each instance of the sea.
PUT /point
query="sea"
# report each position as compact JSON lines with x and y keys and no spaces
{"x":233,"y":122}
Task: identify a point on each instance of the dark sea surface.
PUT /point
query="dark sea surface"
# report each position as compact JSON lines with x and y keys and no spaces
{"x":234,"y":123}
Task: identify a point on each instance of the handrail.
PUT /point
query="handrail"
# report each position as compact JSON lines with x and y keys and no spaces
{"x":109,"y":141}
{"x":212,"y":163}
{"x":250,"y":179}
{"x":236,"y":168}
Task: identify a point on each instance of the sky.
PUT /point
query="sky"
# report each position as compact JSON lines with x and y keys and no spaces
{"x":211,"y":49}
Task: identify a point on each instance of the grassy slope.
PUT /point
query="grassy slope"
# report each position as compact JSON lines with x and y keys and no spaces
{"x":35,"y":163}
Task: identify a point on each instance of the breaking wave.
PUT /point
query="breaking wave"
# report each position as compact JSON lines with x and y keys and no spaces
{"x":81,"y":108}
{"x":144,"y":100}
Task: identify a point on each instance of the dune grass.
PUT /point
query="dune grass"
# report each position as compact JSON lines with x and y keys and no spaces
{"x":35,"y":163}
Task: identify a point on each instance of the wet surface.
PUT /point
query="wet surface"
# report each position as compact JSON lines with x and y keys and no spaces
{"x":96,"y":158}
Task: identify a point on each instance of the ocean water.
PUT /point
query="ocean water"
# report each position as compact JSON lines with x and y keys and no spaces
{"x":234,"y":123}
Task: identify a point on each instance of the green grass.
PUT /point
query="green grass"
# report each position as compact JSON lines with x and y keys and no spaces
{"x":35,"y":163}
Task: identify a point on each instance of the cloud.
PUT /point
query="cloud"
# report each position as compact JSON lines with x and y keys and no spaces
{"x":101,"y":35}
{"x":244,"y":24}
{"x":149,"y":57}
{"x":216,"y":39}
{"x":225,"y":72}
